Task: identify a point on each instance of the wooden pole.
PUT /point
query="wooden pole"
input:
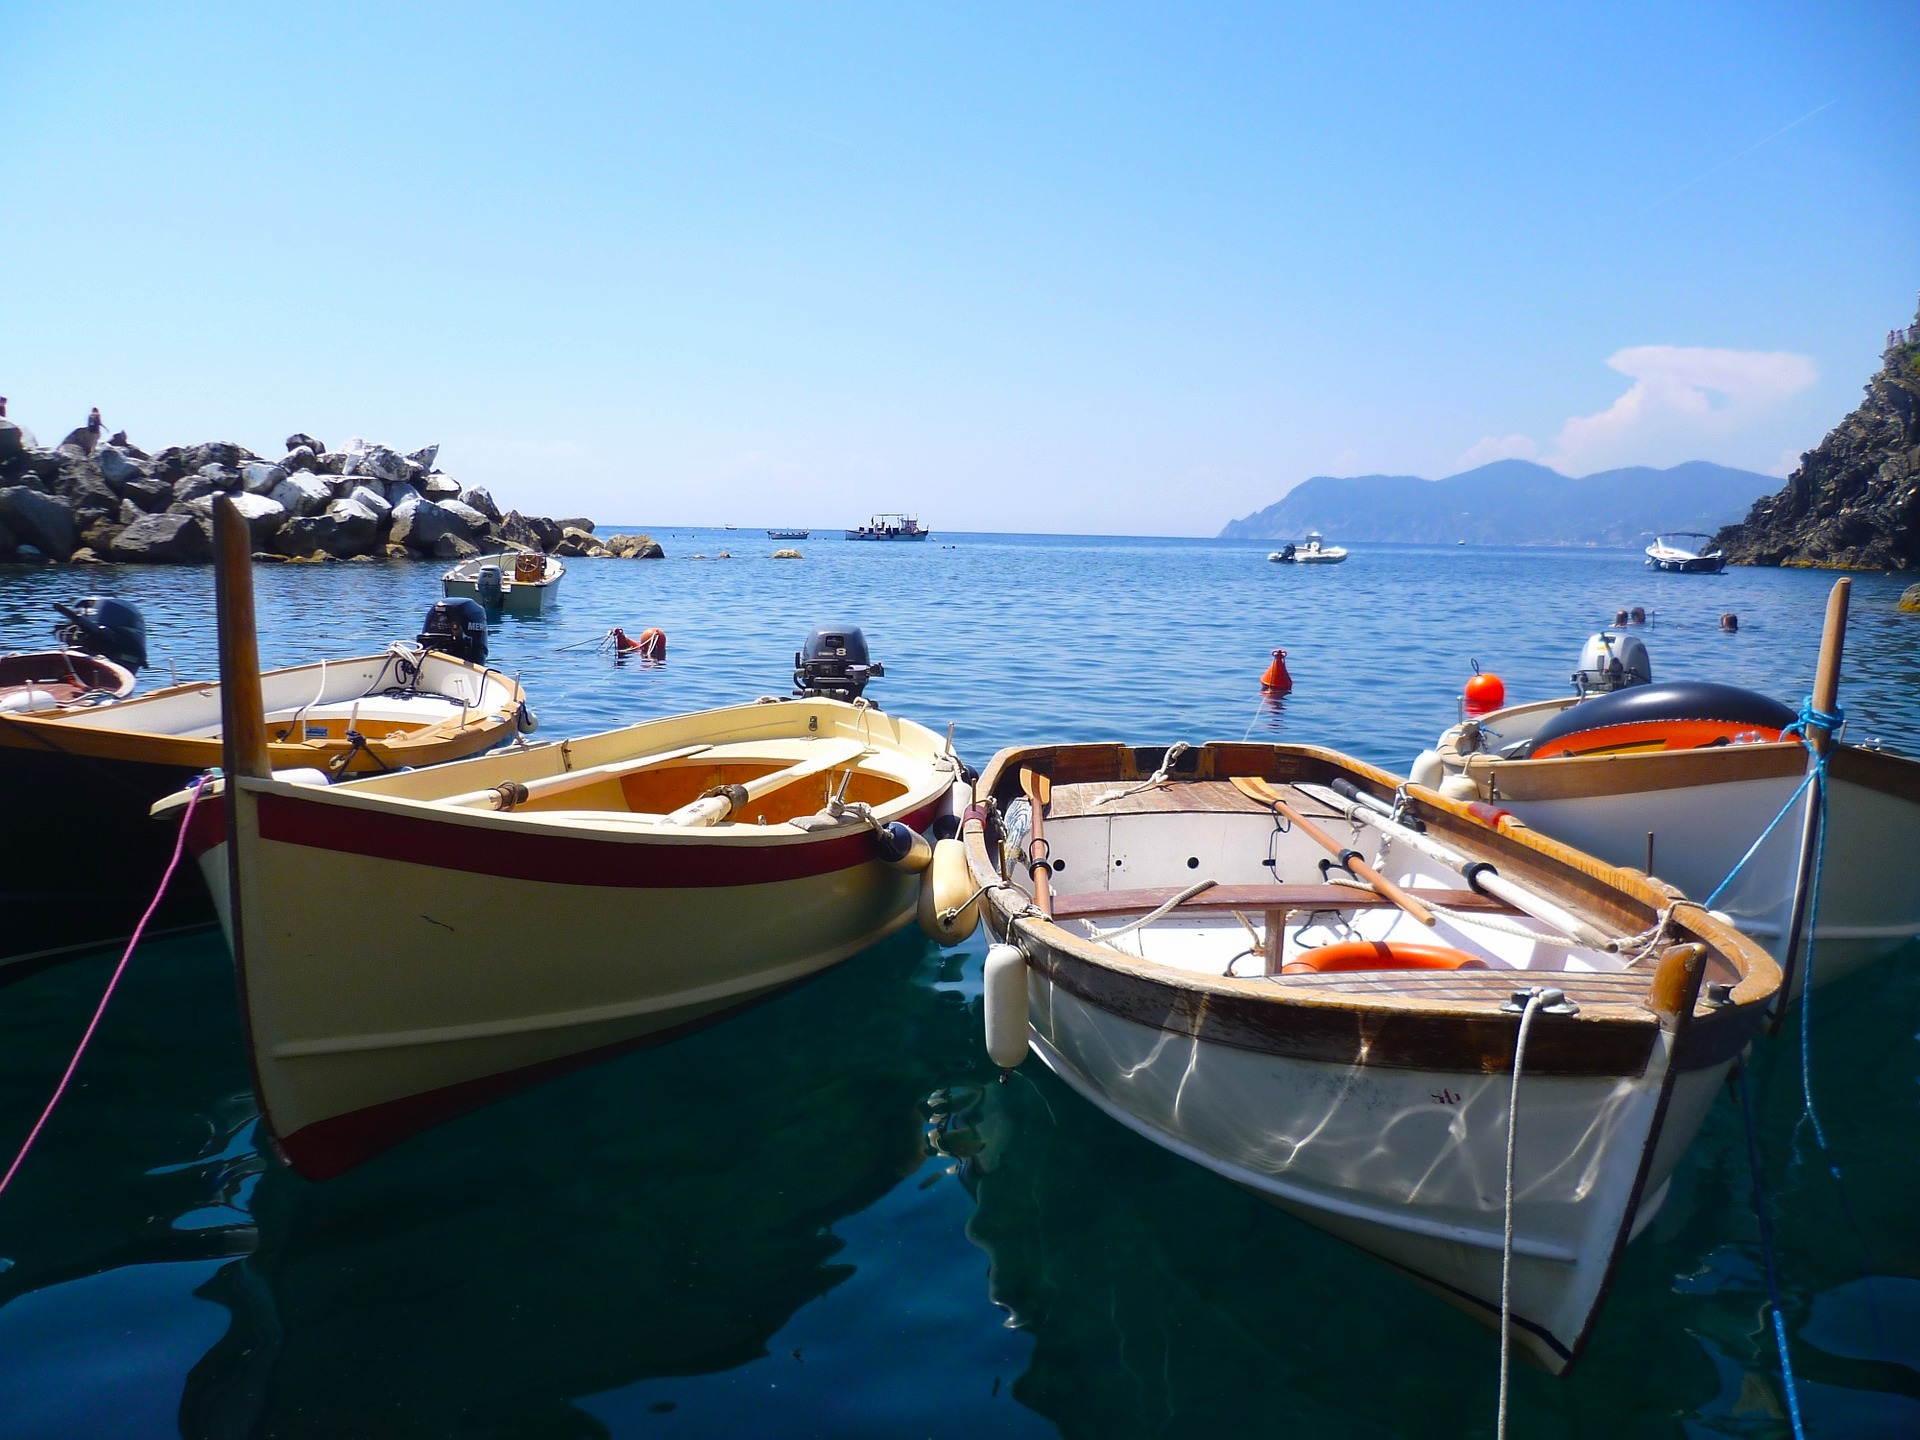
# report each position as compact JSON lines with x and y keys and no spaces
{"x":1259,"y":790}
{"x":1039,"y":790}
{"x":243,"y":719}
{"x":1826,"y":694}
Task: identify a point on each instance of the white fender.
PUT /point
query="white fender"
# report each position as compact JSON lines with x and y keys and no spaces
{"x":947,"y":884}
{"x":1427,"y":769}
{"x":1006,"y":1005}
{"x":303,"y":775}
{"x":1460,"y":787}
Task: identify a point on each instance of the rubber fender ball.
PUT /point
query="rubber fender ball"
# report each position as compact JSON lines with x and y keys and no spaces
{"x":901,"y":848}
{"x":947,"y":885}
{"x":1427,"y":769}
{"x":1005,"y":1002}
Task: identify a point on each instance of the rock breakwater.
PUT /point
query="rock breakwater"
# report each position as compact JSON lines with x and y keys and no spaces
{"x":94,"y":499}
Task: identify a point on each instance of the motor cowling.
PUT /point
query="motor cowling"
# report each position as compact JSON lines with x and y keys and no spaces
{"x":1610,"y":662}
{"x":834,"y":662}
{"x":457,"y":628}
{"x":103,"y":626}
{"x":488,"y":581}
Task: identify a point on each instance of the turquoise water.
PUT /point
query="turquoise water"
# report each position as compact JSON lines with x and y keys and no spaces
{"x":827,"y":1217}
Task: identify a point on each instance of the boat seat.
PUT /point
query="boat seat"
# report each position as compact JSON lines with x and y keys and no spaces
{"x":1260,"y":897}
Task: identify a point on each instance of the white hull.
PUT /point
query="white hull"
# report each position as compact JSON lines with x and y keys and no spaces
{"x":517,"y":597}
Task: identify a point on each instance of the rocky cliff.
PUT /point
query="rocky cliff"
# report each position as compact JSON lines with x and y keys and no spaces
{"x":95,"y":499}
{"x":1854,"y":503}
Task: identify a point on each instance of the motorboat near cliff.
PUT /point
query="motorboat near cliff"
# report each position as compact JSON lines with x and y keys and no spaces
{"x":82,"y":779}
{"x":519,"y":915}
{"x":1312,"y":551}
{"x":1192,"y":940}
{"x":1686,"y":552}
{"x":103,"y":644}
{"x":524,"y":582}
{"x":1684,"y":779}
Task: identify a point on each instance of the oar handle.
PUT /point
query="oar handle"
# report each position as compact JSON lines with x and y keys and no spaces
{"x":1038,"y":790}
{"x":1260,"y":790}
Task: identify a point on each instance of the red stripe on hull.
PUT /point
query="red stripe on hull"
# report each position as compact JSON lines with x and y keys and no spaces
{"x":631,"y":864}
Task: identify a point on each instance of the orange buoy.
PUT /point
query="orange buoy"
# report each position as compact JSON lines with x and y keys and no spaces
{"x":1485,"y":691}
{"x":1277,"y":681}
{"x":653,"y":643}
{"x":1380,"y":955}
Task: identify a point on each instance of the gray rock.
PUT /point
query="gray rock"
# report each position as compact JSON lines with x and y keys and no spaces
{"x":301,"y":457}
{"x":419,"y":524}
{"x":84,"y":488}
{"x":346,"y":528}
{"x":264,"y":516}
{"x":331,"y":462}
{"x":9,"y":542}
{"x":217,"y":452}
{"x":300,"y":439}
{"x":480,"y":500}
{"x":120,"y":468}
{"x":645,"y":547}
{"x":439,"y":487}
{"x":370,"y":497}
{"x":165,"y":540}
{"x":302,"y":494}
{"x":257,"y":477}
{"x":400,"y":492}
{"x":40,"y":520}
{"x":152,"y":496}
{"x":516,"y":529}
{"x":98,"y":538}
{"x":452,"y":547}
{"x":425,"y":456}
{"x":170,"y":464}
{"x":13,"y":444}
{"x":380,"y":463}
{"x":222,"y":477}
{"x":192,"y":488}
{"x":477,"y":523}
{"x":548,"y":530}
{"x":577,"y":542}
{"x":577,"y":523}
{"x":44,"y":468}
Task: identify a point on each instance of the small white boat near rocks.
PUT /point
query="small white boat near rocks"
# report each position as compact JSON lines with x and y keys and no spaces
{"x":522,"y":582}
{"x":1697,"y":556}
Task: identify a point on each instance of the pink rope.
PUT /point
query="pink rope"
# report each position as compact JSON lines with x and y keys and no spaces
{"x":179,"y":844}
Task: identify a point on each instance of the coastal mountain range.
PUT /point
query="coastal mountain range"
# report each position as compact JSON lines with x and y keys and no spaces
{"x":1510,"y":502}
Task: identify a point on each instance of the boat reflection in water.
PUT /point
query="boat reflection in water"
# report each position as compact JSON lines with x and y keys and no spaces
{"x":663,"y":1215}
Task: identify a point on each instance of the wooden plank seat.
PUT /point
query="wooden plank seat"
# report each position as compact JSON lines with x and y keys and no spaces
{"x":1261,"y":897}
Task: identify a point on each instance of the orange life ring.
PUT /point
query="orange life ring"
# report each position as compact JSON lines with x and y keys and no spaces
{"x":1646,"y":736}
{"x":1380,"y":955}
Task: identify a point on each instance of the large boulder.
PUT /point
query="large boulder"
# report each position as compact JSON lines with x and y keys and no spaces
{"x":264,"y":516}
{"x":96,"y":538}
{"x":331,"y":462}
{"x":301,"y":457}
{"x":516,"y":529}
{"x":152,"y":496}
{"x":480,"y":500}
{"x":577,"y":542}
{"x":452,"y":547}
{"x":420,"y":523}
{"x":576,"y":523}
{"x":424,"y":458}
{"x":40,"y":520}
{"x":302,"y":494}
{"x":168,"y":539}
{"x":13,"y":444}
{"x":370,"y":497}
{"x":345,"y":528}
{"x":643,"y":547}
{"x":220,"y":476}
{"x":257,"y":477}
{"x":170,"y":464}
{"x":119,"y":468}
{"x":548,"y":531}
{"x":84,"y":488}
{"x":439,"y":487}
{"x":194,"y":487}
{"x":380,"y":463}
{"x":300,"y":439}
{"x":217,"y":452}
{"x":478,"y":524}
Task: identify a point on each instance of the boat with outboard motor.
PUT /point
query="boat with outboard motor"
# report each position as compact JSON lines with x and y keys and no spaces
{"x":84,"y":778}
{"x":519,"y":915}
{"x":1705,"y":785}
{"x":890,"y":527}
{"x":522,"y":582}
{"x":103,"y":644}
{"x":1312,"y":551}
{"x":1192,"y":940}
{"x":1666,"y":553}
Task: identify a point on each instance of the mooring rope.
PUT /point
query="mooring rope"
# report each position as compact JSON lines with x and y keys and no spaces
{"x":133,"y":943}
{"x":1766,"y":1251}
{"x":1535,"y":998}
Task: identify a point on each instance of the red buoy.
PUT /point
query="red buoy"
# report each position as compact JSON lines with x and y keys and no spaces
{"x":1485,"y":691}
{"x":1277,"y":681}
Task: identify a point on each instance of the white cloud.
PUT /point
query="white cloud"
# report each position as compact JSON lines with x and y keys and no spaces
{"x":1489,"y":448}
{"x":1683,"y":399}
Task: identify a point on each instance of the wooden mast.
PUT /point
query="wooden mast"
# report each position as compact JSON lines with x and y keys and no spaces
{"x":243,"y":719}
{"x":1826,"y":694}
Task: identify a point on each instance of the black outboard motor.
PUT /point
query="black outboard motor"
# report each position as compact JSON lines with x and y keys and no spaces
{"x":834,"y":663}
{"x":457,"y":628}
{"x":103,"y":626}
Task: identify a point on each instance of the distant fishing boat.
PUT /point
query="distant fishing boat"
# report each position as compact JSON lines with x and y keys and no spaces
{"x":519,"y":583}
{"x":1312,"y":551}
{"x":103,"y":642}
{"x":416,"y":945}
{"x":1666,"y":553}
{"x":788,"y":534}
{"x":82,"y":779}
{"x":890,"y":527}
{"x":1186,"y":946}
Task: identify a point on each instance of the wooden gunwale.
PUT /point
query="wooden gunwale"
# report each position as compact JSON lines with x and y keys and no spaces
{"x":1417,"y":1025}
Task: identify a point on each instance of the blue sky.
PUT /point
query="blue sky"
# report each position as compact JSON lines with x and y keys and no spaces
{"x":1079,"y":268}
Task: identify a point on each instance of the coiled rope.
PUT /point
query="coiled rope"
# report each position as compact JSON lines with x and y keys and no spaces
{"x":133,"y":943}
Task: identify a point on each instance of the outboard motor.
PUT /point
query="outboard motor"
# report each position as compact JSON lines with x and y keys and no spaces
{"x":457,"y":628}
{"x":834,"y":662}
{"x":103,"y":626}
{"x":487,"y":582}
{"x":1610,"y":662}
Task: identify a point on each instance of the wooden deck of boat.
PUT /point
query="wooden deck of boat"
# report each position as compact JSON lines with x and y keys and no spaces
{"x":1174,"y":797}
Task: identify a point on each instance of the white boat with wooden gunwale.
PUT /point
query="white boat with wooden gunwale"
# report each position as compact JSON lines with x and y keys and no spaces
{"x":521,"y":582}
{"x":414,"y":945}
{"x":1187,"y":952}
{"x":55,"y":679}
{"x":1682,"y":780}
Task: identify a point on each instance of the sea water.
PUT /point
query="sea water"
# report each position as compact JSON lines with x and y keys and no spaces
{"x":829,"y":1216}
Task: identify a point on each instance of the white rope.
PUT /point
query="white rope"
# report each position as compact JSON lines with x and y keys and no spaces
{"x":1151,"y":916}
{"x":1534,"y":1000}
{"x":1159,"y":777}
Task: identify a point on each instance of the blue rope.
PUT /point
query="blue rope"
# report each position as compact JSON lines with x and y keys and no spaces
{"x":1766,"y":1251}
{"x":1809,"y":716}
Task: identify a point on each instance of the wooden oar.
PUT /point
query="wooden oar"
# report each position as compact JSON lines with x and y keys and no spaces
{"x":1260,"y":790}
{"x":712,"y":809}
{"x":494,"y":799}
{"x":1826,"y":694}
{"x":1039,"y":792}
